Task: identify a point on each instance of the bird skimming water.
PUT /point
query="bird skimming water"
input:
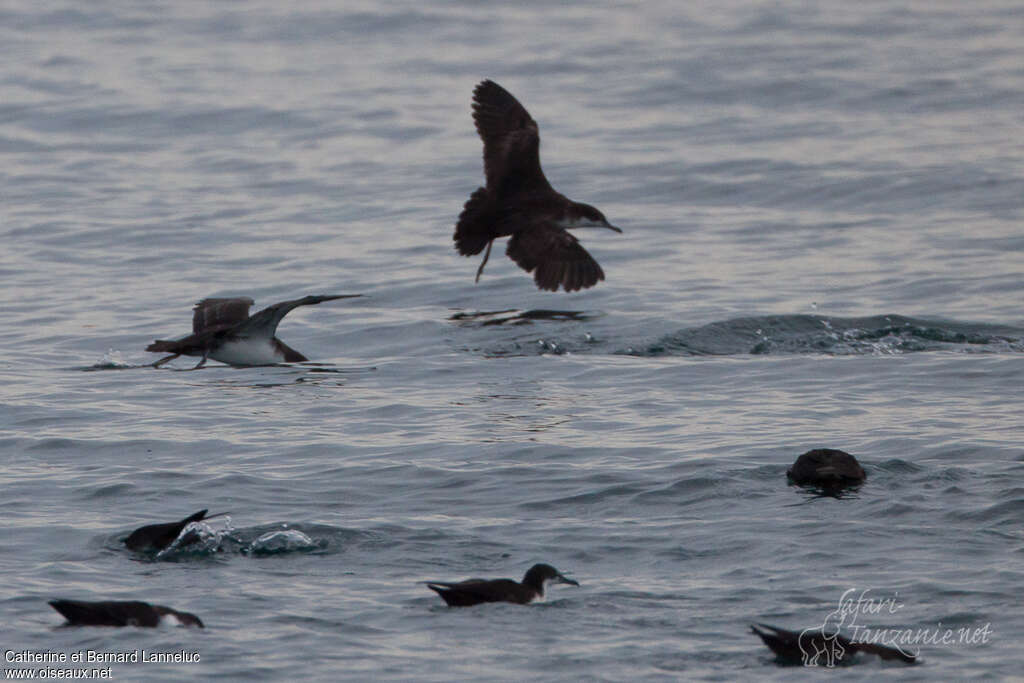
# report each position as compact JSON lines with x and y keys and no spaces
{"x":223,"y":330}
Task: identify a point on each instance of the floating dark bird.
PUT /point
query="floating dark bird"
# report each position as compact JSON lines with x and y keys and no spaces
{"x":223,"y":330}
{"x":813,"y":647}
{"x":520,"y":202}
{"x":827,"y":468}
{"x":477,"y":591}
{"x":121,"y":613}
{"x":158,"y":536}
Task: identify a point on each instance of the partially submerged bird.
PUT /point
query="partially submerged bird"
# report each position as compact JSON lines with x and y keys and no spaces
{"x":813,"y":647}
{"x":827,"y":468}
{"x":518,"y":201}
{"x":121,"y":613}
{"x":158,"y":536}
{"x":223,"y":330}
{"x":477,"y":591}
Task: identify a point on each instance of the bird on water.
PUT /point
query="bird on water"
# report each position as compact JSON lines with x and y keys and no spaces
{"x":223,"y":330}
{"x":121,"y":613}
{"x":827,"y":468}
{"x":519,"y":202}
{"x":476,"y":591}
{"x":808,"y":646}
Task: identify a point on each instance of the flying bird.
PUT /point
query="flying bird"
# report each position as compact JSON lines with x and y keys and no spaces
{"x":223,"y":330}
{"x":519,"y":202}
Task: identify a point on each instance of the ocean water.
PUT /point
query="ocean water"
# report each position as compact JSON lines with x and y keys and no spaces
{"x":823,"y":215}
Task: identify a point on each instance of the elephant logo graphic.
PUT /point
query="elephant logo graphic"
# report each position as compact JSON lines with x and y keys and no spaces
{"x":824,"y":641}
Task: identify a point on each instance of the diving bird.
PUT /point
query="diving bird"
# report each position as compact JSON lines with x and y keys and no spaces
{"x":807,"y":647}
{"x":121,"y":613}
{"x":223,"y":330}
{"x":519,"y":202}
{"x":477,"y":591}
{"x":159,"y":536}
{"x":827,"y":468}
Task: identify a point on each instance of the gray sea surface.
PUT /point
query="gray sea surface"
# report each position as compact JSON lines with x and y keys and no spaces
{"x":823,"y":247}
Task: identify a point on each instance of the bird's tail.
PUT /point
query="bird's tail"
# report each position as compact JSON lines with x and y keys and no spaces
{"x":163,"y":346}
{"x":473,"y":231}
{"x":73,"y":610}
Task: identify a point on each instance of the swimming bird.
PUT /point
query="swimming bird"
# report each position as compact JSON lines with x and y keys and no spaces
{"x":519,"y":202}
{"x":121,"y":613}
{"x":827,"y":468}
{"x":477,"y":591}
{"x":808,"y":646}
{"x":223,"y":330}
{"x":159,"y":536}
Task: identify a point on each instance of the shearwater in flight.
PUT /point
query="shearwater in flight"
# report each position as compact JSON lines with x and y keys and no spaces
{"x":519,"y":202}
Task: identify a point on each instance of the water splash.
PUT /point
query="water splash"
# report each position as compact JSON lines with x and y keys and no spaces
{"x":199,"y":538}
{"x":283,"y":541}
{"x":111,"y":360}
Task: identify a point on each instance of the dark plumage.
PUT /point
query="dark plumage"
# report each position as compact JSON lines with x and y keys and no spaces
{"x":120,"y":613}
{"x":477,"y":591}
{"x":223,"y":330}
{"x":158,"y":536}
{"x":826,"y":468}
{"x":813,"y":647}
{"x":518,"y":201}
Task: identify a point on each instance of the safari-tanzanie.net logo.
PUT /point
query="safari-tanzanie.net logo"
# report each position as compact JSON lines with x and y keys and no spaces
{"x":826,"y":644}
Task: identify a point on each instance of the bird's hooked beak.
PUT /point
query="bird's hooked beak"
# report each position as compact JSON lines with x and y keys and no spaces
{"x":565,"y":579}
{"x":612,"y":227}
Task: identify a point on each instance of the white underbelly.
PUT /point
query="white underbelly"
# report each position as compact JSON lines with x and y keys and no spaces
{"x":170,"y":621}
{"x":248,"y":352}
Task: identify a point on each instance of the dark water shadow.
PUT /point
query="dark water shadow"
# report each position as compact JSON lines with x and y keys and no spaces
{"x":310,"y":366}
{"x":513,"y":316}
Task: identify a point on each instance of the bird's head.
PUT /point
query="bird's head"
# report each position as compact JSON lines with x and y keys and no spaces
{"x":580,"y":215}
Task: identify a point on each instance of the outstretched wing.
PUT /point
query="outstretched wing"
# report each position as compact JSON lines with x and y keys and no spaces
{"x":555,"y":257}
{"x":220,"y":313}
{"x":266,"y":321}
{"x":511,"y":140}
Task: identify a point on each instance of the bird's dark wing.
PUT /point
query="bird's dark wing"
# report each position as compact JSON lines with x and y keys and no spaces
{"x":220,"y":312}
{"x":476,"y":591}
{"x":266,"y":321}
{"x":159,"y":536}
{"x":511,"y":140}
{"x":110,"y":613}
{"x":555,"y":257}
